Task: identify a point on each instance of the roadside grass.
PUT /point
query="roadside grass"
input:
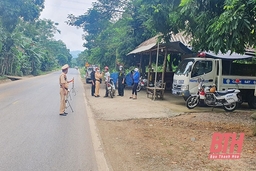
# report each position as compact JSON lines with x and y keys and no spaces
{"x":82,"y":72}
{"x":3,"y":77}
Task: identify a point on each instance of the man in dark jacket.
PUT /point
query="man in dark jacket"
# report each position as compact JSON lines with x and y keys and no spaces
{"x":93,"y":81}
{"x":121,"y":78}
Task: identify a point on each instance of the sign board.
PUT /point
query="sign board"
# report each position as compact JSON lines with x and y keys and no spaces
{"x":87,"y":64}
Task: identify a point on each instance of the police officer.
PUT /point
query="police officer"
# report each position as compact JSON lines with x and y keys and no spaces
{"x":121,"y":78}
{"x":63,"y":89}
{"x":93,"y":81}
{"x":98,"y":76}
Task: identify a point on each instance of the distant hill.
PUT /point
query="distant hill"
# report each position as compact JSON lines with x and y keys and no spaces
{"x":75,"y":53}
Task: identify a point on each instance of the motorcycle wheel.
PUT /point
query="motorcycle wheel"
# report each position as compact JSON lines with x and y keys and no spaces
{"x":231,"y":107}
{"x":111,"y":92}
{"x":192,"y":102}
{"x":138,"y":88}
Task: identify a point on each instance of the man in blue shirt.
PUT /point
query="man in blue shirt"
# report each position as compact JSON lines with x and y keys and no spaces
{"x":136,"y":79}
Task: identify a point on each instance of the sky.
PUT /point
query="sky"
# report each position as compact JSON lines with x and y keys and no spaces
{"x":57,"y":11}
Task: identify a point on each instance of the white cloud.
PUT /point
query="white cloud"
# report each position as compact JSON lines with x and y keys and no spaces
{"x":58,"y":10}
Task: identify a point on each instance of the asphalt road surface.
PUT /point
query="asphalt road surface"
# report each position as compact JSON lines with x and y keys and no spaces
{"x":33,"y":137}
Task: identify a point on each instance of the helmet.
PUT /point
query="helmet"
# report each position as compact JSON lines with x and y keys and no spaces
{"x":106,"y":67}
{"x":120,"y":67}
{"x":213,"y":89}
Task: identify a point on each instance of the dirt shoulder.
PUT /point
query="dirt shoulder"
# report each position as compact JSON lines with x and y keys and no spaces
{"x":163,"y":135}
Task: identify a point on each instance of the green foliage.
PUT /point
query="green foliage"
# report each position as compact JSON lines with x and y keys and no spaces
{"x":27,"y":45}
{"x":114,"y":28}
{"x":220,"y":25}
{"x":159,"y":68}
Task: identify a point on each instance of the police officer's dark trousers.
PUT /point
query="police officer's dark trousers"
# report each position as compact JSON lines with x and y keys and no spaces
{"x":93,"y":88}
{"x":120,"y":89}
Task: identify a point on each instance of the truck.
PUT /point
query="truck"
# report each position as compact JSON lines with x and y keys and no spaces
{"x":224,"y":70}
{"x":89,"y":69}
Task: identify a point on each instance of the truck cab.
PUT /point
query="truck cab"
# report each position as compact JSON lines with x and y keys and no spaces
{"x":185,"y":80}
{"x":89,"y":70}
{"x":225,"y":73}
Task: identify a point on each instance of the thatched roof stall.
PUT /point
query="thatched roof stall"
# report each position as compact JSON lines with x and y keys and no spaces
{"x":179,"y":44}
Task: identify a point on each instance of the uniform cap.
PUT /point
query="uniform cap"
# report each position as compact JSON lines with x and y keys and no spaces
{"x":136,"y":69}
{"x":64,"y":66}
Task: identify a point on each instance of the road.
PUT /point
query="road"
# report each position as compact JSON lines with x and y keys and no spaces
{"x":33,"y":137}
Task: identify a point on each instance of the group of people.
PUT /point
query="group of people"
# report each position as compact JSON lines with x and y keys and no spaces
{"x":96,"y":77}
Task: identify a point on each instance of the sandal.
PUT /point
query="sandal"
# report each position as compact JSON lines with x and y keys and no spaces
{"x":131,"y":98}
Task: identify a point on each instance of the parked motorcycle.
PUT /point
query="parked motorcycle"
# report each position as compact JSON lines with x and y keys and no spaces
{"x":142,"y":84}
{"x":227,"y":99}
{"x":111,"y":88}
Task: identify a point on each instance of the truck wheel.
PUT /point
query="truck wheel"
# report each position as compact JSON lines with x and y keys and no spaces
{"x":252,"y":102}
{"x":231,"y":107}
{"x":240,"y":100}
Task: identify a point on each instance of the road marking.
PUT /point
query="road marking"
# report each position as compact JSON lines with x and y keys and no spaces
{"x":15,"y":102}
{"x":99,"y":152}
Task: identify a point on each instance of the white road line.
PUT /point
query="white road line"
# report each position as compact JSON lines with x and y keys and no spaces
{"x":99,"y":152}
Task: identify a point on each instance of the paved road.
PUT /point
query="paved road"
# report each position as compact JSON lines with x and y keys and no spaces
{"x":33,"y":137}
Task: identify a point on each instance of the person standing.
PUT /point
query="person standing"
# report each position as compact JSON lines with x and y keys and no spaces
{"x":93,"y":81}
{"x":63,"y":89}
{"x":121,"y":78}
{"x":107,"y":79}
{"x":98,"y":76}
{"x":136,"y":79}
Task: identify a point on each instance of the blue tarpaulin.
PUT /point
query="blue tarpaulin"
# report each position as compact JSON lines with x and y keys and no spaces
{"x":128,"y":79}
{"x":114,"y":76}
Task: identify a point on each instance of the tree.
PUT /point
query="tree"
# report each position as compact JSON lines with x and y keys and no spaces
{"x":12,"y":11}
{"x":220,"y":25}
{"x":114,"y":28}
{"x":112,"y":25}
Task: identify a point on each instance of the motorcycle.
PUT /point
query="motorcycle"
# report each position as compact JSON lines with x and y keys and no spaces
{"x":227,"y":99}
{"x":111,"y":88}
{"x":142,"y":84}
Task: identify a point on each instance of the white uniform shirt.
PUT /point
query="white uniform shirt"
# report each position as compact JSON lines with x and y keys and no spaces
{"x":107,"y":76}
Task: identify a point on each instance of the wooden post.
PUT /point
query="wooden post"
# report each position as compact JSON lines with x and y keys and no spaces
{"x":157,"y":55}
{"x":140,"y":68}
{"x":149,"y":67}
{"x":164,"y":64}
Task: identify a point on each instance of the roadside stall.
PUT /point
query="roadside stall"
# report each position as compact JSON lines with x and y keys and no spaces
{"x":178,"y":45}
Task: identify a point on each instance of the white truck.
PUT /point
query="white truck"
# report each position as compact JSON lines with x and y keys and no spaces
{"x":224,"y":71}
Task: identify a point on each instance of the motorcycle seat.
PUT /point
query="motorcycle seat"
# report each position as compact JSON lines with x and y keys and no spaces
{"x":221,"y":93}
